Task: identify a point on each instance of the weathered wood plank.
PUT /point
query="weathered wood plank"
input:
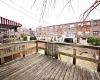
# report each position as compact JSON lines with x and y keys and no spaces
{"x":12,"y":70}
{"x":59,"y":72}
{"x":50,"y":69}
{"x":76,"y":73}
{"x":33,"y":74}
{"x":40,"y":67}
{"x":80,"y":74}
{"x":55,"y":72}
{"x":39,"y":73}
{"x":45,"y":70}
{"x":68,"y":72}
{"x":97,"y":75}
{"x":84,"y":74}
{"x":63,"y":73}
{"x":25,"y":75}
{"x":51,"y":72}
{"x":72,"y":73}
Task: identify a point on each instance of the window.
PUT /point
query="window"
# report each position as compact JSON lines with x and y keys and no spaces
{"x":95,"y":23}
{"x":51,"y":27}
{"x":95,"y":33}
{"x":80,"y":24}
{"x":60,"y":26}
{"x":72,"y":25}
{"x":65,"y":26}
{"x":80,"y":33}
{"x":88,"y":23}
{"x":87,"y":33}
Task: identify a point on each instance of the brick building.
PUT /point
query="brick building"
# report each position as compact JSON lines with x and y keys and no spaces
{"x":79,"y":30}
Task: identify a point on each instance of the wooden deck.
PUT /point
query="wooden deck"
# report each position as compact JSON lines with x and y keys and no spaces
{"x":40,"y":67}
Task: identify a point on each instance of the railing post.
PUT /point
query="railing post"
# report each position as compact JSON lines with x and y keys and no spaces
{"x":74,"y":58}
{"x":2,"y":59}
{"x":24,"y":49}
{"x":45,"y":48}
{"x":98,"y":65}
{"x":36,"y":46}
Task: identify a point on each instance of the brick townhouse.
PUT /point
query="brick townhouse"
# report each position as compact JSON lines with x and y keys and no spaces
{"x":79,"y":30}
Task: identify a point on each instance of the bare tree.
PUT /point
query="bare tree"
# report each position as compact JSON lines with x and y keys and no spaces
{"x":51,"y":3}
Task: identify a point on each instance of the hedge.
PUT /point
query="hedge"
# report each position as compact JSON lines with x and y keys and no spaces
{"x":93,"y":40}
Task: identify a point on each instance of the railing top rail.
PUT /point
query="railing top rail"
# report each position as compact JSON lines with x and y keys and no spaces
{"x":74,"y":45}
{"x":3,"y":46}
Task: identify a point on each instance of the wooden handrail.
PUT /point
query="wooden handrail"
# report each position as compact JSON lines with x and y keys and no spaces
{"x":75,"y":45}
{"x":74,"y":52}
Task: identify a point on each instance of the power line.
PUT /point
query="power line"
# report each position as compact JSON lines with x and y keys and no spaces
{"x":26,"y":10}
{"x":20,"y":7}
{"x":18,"y":10}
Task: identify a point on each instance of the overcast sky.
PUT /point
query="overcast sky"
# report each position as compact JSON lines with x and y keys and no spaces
{"x":30,"y":18}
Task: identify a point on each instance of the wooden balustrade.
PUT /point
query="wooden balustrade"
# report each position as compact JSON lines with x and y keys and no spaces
{"x":48,"y":51}
{"x":51,"y":49}
{"x":13,"y":49}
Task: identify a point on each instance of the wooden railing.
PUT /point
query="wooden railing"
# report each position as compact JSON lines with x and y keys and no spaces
{"x":74,"y":56}
{"x":11,"y":49}
{"x":51,"y":49}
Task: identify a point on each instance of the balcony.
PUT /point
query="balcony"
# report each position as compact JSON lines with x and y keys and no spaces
{"x":50,"y":65}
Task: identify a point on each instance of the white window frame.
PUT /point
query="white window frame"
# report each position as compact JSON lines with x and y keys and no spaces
{"x":72,"y":25}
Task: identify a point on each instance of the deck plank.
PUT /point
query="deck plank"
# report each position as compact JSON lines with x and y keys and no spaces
{"x":64,"y":72}
{"x":59,"y":72}
{"x":41,"y":67}
{"x":55,"y":72}
{"x":72,"y":73}
{"x":30,"y":71}
{"x":17,"y":69}
{"x":76,"y":73}
{"x":50,"y":69}
{"x":24,"y":70}
{"x":38,"y":70}
{"x":68,"y":72}
{"x":80,"y":74}
{"x":47,"y":77}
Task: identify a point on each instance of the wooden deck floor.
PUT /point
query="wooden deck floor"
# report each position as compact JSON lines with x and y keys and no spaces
{"x":40,"y":67}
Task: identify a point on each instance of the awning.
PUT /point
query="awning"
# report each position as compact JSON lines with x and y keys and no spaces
{"x":9,"y":23}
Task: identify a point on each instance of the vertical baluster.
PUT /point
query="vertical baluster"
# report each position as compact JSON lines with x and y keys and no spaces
{"x":45,"y":48}
{"x":2,"y":59}
{"x":24,"y":51}
{"x":74,"y":58}
{"x":36,"y":46}
{"x":56,"y":51}
{"x":98,"y":65}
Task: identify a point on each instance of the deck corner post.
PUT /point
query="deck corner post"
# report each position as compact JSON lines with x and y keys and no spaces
{"x":74,"y":58}
{"x":36,"y":46}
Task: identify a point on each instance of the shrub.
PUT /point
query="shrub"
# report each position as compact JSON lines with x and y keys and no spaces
{"x":25,"y":38}
{"x":93,"y":40}
{"x":33,"y":38}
